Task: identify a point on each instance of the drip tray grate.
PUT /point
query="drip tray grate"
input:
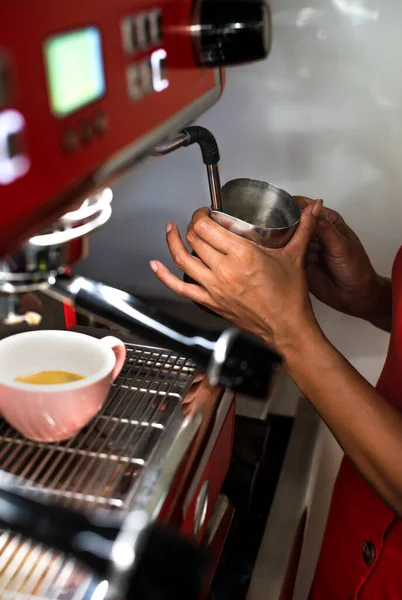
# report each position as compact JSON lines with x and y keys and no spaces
{"x":98,"y":468}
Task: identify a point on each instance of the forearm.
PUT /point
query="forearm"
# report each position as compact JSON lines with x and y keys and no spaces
{"x":377,"y":307}
{"x":368,"y":428}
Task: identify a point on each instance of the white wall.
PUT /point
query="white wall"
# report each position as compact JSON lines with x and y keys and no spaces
{"x":322,"y":117}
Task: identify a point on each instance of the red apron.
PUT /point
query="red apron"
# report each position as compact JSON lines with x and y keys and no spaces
{"x":361,"y":556}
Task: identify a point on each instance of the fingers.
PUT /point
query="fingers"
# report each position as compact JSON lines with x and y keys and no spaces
{"x":191,"y":265}
{"x":303,"y":201}
{"x":314,"y":253}
{"x":332,"y":240}
{"x":190,"y":291}
{"x":314,"y":246}
{"x":331,"y":215}
{"x":335,"y":219}
{"x":312,"y":259}
{"x":326,"y":214}
{"x":209,"y":255}
{"x":203,"y":212}
{"x":213,"y":234}
{"x":305,"y":231}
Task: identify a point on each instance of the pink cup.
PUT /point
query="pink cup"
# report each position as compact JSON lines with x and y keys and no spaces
{"x":50,"y":413}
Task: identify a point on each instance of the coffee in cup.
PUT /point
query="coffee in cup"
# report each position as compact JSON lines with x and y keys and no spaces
{"x":49,"y":378}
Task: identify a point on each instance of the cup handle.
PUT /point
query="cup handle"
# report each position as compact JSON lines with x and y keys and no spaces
{"x":119,"y":349}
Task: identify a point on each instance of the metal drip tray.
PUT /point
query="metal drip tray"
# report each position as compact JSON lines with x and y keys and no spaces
{"x":98,"y":468}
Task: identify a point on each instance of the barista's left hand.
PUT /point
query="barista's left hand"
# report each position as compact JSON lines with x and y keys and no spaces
{"x":260,"y":290}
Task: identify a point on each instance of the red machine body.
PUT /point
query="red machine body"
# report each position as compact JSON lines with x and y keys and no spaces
{"x":147,"y":87}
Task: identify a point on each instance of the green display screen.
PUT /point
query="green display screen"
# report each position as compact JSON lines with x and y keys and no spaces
{"x":75,"y":72}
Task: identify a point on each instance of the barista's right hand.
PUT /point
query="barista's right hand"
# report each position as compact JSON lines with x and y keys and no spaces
{"x":339,"y":271}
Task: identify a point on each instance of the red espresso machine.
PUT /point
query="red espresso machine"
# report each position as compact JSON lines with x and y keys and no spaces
{"x":87,"y":89}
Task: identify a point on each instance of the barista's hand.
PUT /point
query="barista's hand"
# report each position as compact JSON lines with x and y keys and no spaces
{"x":262,"y":291}
{"x":339,"y":272}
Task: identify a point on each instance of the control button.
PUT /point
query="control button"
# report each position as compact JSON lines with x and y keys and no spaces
{"x":155,"y":25}
{"x":100,"y":123}
{"x":369,"y":553}
{"x":159,"y":74}
{"x":14,"y":161}
{"x":134,"y":83}
{"x":142,"y":31}
{"x":69,"y":141}
{"x":5,"y":82}
{"x":128,"y":32}
{"x":86,"y":133}
{"x":147,"y":86}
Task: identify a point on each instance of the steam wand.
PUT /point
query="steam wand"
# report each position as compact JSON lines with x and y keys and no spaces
{"x":210,"y":155}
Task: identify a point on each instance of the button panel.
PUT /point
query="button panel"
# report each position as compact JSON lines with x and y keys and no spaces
{"x":141,"y":31}
{"x":85,"y":133}
{"x":147,"y":76}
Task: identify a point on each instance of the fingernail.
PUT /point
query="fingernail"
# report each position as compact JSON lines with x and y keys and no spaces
{"x":317,"y":208}
{"x":204,"y":224}
{"x":153,"y":265}
{"x":169,"y":227}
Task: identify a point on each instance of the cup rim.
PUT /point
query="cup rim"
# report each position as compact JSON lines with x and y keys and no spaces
{"x":272,"y":185}
{"x":106,"y":351}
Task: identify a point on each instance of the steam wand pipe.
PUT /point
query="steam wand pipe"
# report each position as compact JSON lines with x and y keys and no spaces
{"x":210,"y":155}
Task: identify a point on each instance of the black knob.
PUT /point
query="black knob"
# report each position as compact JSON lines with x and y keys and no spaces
{"x":231,"y":32}
{"x":249,"y":367}
{"x":167,"y":567}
